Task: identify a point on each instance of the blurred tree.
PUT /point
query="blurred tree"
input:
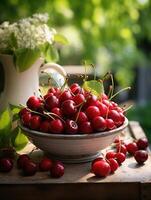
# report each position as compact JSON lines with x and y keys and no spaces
{"x":112,"y":34}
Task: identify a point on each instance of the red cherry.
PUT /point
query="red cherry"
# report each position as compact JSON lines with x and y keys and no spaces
{"x":121,"y":148}
{"x":114,"y":115}
{"x":57,"y":170}
{"x":45,"y":126}
{"x":141,"y":156}
{"x":45,"y":164}
{"x":110,"y":154}
{"x":91,"y":101}
{"x":113,"y":164}
{"x":77,"y":90}
{"x":92,"y":112}
{"x":103,"y":108}
{"x":51,"y":102}
{"x":22,"y":159}
{"x":104,"y":96}
{"x":110,"y":124}
{"x":74,"y":85}
{"x":48,"y":95}
{"x":68,"y":107}
{"x":71,"y":127}
{"x":34,"y":103}
{"x":78,"y":99}
{"x":96,"y":159}
{"x":29,"y":168}
{"x":99,"y":123}
{"x":57,"y":111}
{"x":81,"y":117}
{"x":26,"y":119}
{"x":55,"y":91}
{"x":35,"y":122}
{"x":66,"y":95}
{"x":23,"y":111}
{"x":142,"y":143}
{"x":120,"y":157}
{"x":132,"y":148}
{"x":6,"y":164}
{"x":101,"y":168}
{"x":56,"y":126}
{"x":85,"y":128}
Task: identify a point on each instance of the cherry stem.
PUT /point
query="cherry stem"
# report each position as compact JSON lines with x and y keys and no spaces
{"x":85,"y":71}
{"x":129,"y":107}
{"x":63,"y":86}
{"x":92,"y":65}
{"x":112,"y":89}
{"x":127,"y":88}
{"x":50,"y":113}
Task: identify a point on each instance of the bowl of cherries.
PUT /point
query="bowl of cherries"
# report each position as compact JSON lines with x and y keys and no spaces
{"x":71,"y":123}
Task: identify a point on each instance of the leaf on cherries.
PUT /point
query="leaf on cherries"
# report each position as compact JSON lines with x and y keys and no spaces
{"x":94,"y":86}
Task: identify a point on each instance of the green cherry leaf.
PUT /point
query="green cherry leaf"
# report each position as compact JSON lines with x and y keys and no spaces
{"x":94,"y":86}
{"x":25,"y":58}
{"x":61,"y":39}
{"x":19,"y":140}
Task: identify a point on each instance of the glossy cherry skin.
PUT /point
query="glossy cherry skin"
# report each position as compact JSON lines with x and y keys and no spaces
{"x":110,"y":154}
{"x":103,"y":108}
{"x":26,"y":119}
{"x":45,"y":126}
{"x":6,"y":164}
{"x":99,"y":123}
{"x":92,"y":112}
{"x":71,"y":127}
{"x":45,"y":164}
{"x":120,"y":157}
{"x":85,"y":128}
{"x":79,"y":99}
{"x":114,"y":115}
{"x":57,"y":111}
{"x":121,"y":148}
{"x":57,"y":170}
{"x":132,"y":148}
{"x":35,"y":122}
{"x":68,"y":108}
{"x":51,"y":102}
{"x":21,"y":160}
{"x":56,"y":126}
{"x":141,"y":156}
{"x":81,"y":117}
{"x":113,"y":164}
{"x":101,"y":168}
{"x":34,"y":103}
{"x":142,"y":143}
{"x":29,"y":168}
{"x":110,"y":124}
{"x":66,"y":95}
{"x":23,"y":111}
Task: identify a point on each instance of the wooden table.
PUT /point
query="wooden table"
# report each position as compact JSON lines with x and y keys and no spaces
{"x":130,"y":181}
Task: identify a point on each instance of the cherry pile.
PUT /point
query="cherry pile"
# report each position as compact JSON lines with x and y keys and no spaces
{"x":71,"y":110}
{"x":108,"y":164}
{"x":29,"y":167}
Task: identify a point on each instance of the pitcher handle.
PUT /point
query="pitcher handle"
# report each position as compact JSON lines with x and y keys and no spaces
{"x":56,"y":67}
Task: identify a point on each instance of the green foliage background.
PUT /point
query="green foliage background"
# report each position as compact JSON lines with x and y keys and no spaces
{"x":113,"y":34}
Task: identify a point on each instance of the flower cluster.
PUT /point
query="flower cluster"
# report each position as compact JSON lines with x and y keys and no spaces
{"x":31,"y":32}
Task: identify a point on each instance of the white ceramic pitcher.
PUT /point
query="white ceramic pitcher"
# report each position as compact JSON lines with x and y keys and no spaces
{"x":19,"y":86}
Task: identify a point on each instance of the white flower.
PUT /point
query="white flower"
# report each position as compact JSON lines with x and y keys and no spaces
{"x":30,"y":33}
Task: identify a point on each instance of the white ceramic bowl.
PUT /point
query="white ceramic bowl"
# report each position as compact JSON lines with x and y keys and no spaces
{"x":73,"y":148}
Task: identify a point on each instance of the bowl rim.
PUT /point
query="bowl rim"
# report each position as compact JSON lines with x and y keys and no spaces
{"x":76,"y":136}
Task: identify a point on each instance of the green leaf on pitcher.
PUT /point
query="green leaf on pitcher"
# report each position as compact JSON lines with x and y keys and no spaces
{"x":19,"y":140}
{"x":5,"y":128}
{"x":61,"y":39}
{"x":14,"y":111}
{"x":94,"y":86}
{"x":25,"y":58}
{"x":51,"y":54}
